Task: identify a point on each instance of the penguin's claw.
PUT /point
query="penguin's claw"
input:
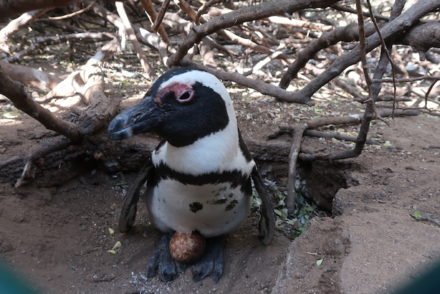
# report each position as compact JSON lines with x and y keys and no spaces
{"x":161,"y":263}
{"x":212,"y":263}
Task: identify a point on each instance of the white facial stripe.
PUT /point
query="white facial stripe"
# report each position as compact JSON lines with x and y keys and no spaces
{"x":205,"y":78}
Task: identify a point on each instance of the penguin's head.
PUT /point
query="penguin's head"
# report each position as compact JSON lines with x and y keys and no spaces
{"x":182,"y":106}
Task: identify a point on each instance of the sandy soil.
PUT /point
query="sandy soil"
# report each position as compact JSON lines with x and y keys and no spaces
{"x":59,"y":237}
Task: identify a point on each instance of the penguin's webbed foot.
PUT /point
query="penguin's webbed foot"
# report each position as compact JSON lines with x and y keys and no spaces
{"x":162,"y":264}
{"x":212,"y":262}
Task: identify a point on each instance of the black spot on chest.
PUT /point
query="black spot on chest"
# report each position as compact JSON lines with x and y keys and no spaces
{"x":195,"y":206}
{"x":231,"y":205}
{"x":218,"y":201}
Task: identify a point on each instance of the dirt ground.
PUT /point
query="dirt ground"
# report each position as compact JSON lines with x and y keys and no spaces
{"x":59,"y":238}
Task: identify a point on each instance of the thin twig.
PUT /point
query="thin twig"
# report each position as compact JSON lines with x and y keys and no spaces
{"x":78,"y":12}
{"x":160,"y":15}
{"x":298,"y":132}
{"x":387,"y":52}
{"x":132,"y":37}
{"x":428,"y":92}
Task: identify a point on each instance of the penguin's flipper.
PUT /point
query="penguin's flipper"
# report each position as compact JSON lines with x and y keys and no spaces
{"x":266,"y":226}
{"x":267,"y":222}
{"x":212,"y":262}
{"x":129,"y":207}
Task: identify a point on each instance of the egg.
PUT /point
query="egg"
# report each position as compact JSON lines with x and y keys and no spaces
{"x":187,"y":247}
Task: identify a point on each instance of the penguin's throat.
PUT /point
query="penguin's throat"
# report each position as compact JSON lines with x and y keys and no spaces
{"x":216,"y":152}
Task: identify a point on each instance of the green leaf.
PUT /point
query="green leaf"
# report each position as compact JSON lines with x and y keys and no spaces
{"x":417,"y":214}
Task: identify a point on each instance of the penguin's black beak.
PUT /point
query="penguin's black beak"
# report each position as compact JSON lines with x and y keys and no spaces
{"x":143,"y":117}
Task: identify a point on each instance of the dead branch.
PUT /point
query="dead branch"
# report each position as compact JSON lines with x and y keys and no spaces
{"x":160,"y":15}
{"x":75,"y":13}
{"x":423,"y":36}
{"x":366,"y":14}
{"x":260,"y":86}
{"x":348,"y":33}
{"x":205,"y":7}
{"x":408,"y":80}
{"x":15,"y":92}
{"x":332,"y":135}
{"x":28,"y":172}
{"x":113,"y":19}
{"x":69,"y":37}
{"x":30,"y":76}
{"x":131,"y":36}
{"x":394,"y":27}
{"x":15,"y":25}
{"x":298,"y":23}
{"x":239,"y":16}
{"x":9,"y":8}
{"x":298,"y":132}
{"x":151,"y":12}
{"x":100,"y":108}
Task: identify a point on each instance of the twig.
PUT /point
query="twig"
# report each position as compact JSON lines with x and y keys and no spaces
{"x":399,"y":24}
{"x":28,"y":170}
{"x":348,"y":33}
{"x":298,"y":132}
{"x":332,"y":135}
{"x":15,"y":25}
{"x":397,"y":9}
{"x":151,"y":12}
{"x":75,"y":13}
{"x":348,"y":9}
{"x":8,"y":8}
{"x":298,"y":23}
{"x":428,"y":92}
{"x":160,"y":15}
{"x":75,"y":36}
{"x":260,"y":86}
{"x":239,"y":16}
{"x":30,"y":76}
{"x":132,"y":37}
{"x":15,"y":92}
{"x":407,"y":80}
{"x":205,"y":7}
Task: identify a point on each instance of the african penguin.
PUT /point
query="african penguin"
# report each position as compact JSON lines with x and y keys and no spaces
{"x":201,"y":174}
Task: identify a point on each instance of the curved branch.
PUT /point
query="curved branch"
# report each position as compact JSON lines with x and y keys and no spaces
{"x":240,"y":16}
{"x":8,"y":8}
{"x":348,"y":33}
{"x":260,"y":86}
{"x":16,"y":93}
{"x":401,"y":23}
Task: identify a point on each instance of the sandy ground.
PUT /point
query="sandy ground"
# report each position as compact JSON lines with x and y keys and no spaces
{"x":59,"y":238}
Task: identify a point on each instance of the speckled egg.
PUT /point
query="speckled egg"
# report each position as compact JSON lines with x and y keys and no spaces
{"x":187,"y":247}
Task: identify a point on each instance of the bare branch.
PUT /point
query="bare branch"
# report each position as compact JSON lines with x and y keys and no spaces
{"x":8,"y":8}
{"x":160,"y":15}
{"x":148,"y":6}
{"x":131,"y":36}
{"x":239,"y":16}
{"x":17,"y":94}
{"x":75,"y":13}
{"x":15,"y":25}
{"x":401,"y":23}
{"x":298,"y":132}
{"x":260,"y":86}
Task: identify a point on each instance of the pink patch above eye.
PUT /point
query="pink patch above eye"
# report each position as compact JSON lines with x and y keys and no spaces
{"x":183,"y":93}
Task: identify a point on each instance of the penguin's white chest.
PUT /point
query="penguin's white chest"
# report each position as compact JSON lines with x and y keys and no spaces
{"x":211,"y":209}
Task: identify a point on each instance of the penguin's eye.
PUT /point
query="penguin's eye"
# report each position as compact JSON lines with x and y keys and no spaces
{"x":185,"y":96}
